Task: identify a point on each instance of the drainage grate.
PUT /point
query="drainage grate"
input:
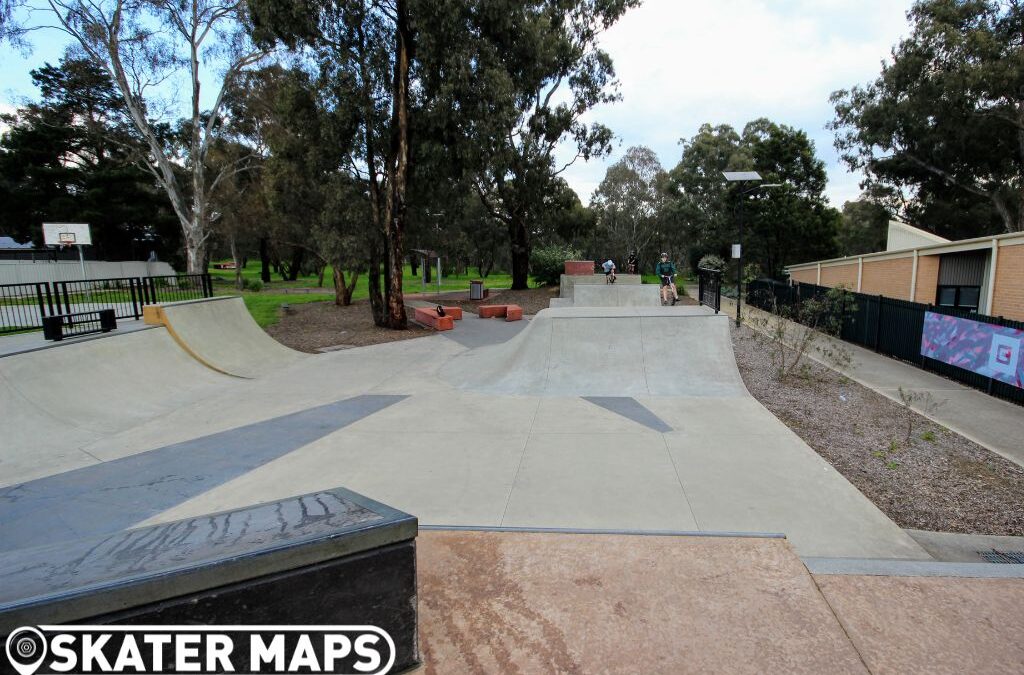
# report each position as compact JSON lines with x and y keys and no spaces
{"x":1005,"y":557}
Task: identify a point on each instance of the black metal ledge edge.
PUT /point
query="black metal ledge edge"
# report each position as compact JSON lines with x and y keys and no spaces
{"x":68,"y":581}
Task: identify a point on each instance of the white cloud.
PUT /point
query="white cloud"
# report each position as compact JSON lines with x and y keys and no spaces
{"x":681,"y":64}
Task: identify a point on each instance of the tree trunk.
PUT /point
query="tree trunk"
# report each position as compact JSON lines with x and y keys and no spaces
{"x":520,"y":254}
{"x":195,"y":253}
{"x":237,"y":260}
{"x":295,"y":265}
{"x":414,"y":263}
{"x":264,"y":261}
{"x":373,"y":284}
{"x":343,"y":291}
{"x":347,"y":300}
{"x":396,"y":211}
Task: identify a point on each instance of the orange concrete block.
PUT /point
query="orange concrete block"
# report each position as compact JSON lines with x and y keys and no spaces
{"x":491,"y":311}
{"x":429,"y":317}
{"x":514,"y":313}
{"x":579,"y":267}
{"x":454,"y":312}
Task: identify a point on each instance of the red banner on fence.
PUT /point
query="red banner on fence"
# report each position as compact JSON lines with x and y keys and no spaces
{"x":983,"y":348}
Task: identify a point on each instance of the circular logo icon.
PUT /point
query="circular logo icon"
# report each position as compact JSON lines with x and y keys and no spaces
{"x":26,"y":649}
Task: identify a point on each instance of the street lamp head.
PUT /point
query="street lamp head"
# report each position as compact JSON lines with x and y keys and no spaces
{"x":741,"y":176}
{"x":770,"y":185}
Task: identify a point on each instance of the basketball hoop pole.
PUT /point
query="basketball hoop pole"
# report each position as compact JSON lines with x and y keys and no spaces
{"x":81,"y":261}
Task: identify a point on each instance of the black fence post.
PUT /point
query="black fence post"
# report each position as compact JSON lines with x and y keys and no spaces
{"x":878,"y":321}
{"x":134,"y":291}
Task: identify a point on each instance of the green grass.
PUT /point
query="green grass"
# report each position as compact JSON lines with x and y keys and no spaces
{"x":265,"y":305}
{"x":411,"y":282}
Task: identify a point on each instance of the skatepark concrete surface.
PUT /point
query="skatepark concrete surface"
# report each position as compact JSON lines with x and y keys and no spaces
{"x":574,"y":602}
{"x":684,"y":527}
{"x":621,"y":418}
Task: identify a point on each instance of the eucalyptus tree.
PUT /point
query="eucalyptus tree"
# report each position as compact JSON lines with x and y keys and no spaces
{"x":944,"y":120}
{"x":363,"y":52}
{"x":152,"y":49}
{"x":518,"y":86}
{"x":629,"y":203}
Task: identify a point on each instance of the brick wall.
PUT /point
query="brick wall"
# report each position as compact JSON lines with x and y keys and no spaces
{"x":927,"y":279}
{"x":890,"y":278}
{"x":840,"y":274}
{"x":1008,"y":300}
{"x":805,"y":276}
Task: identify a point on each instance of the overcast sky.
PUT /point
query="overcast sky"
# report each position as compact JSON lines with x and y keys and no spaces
{"x":685,"y":62}
{"x":682,"y":63}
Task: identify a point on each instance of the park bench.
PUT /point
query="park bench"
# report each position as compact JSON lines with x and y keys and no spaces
{"x":331,"y":557}
{"x":60,"y":326}
{"x":510,"y":312}
{"x":429,"y":317}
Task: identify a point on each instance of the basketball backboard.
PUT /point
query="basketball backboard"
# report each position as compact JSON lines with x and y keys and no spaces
{"x":66,"y":234}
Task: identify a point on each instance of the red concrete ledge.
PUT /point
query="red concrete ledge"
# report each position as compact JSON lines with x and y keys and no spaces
{"x":510,"y":312}
{"x":428,"y":316}
{"x":579,"y":267}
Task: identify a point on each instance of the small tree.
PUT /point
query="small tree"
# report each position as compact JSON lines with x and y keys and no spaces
{"x":548,"y":262}
{"x":791,"y":331}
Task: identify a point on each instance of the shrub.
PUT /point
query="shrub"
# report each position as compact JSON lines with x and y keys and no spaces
{"x":254,"y":285}
{"x":548,"y":262}
{"x":712,"y":262}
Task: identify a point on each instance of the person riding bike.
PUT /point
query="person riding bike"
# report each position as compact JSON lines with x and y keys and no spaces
{"x":667,"y":271}
{"x":631,"y":263}
{"x":609,"y":271}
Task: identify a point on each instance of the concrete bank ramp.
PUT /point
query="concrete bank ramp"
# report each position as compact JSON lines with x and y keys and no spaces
{"x":604,"y":351}
{"x":615,"y":295}
{"x":56,"y":400}
{"x":222,"y":335}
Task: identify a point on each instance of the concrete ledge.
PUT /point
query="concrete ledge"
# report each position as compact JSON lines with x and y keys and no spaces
{"x":93,"y":577}
{"x":911,"y":568}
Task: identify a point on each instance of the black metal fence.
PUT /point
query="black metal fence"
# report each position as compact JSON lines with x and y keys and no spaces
{"x":709,"y":285}
{"x":888,"y":326}
{"x":24,"y":306}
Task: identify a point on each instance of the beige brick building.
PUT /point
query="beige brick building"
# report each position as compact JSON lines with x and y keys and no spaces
{"x":984,"y":274}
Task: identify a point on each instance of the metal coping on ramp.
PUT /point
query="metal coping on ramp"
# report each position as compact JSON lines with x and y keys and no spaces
{"x":572,"y":530}
{"x":155,"y":316}
{"x":226,"y":339}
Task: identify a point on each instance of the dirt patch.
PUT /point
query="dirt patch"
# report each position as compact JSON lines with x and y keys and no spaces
{"x":318,"y":325}
{"x":532,"y":300}
{"x":937,"y":481}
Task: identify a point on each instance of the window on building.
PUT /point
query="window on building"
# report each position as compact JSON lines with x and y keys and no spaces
{"x":964,"y":297}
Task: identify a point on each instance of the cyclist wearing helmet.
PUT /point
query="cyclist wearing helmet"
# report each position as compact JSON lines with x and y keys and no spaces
{"x":667,"y":271}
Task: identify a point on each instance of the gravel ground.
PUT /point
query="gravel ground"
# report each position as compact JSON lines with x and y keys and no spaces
{"x":316,"y":325}
{"x":939,"y":481}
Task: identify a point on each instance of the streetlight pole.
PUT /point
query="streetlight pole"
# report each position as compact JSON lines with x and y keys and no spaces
{"x":743,"y":177}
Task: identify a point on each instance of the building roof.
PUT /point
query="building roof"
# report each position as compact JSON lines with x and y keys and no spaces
{"x":976,"y":244}
{"x":8,"y":242}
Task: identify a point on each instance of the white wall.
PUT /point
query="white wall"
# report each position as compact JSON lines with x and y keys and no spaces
{"x":26,"y":272}
{"x":902,"y":236}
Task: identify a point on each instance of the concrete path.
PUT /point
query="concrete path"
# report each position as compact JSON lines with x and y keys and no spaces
{"x":988,"y":421}
{"x":562,"y":602}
